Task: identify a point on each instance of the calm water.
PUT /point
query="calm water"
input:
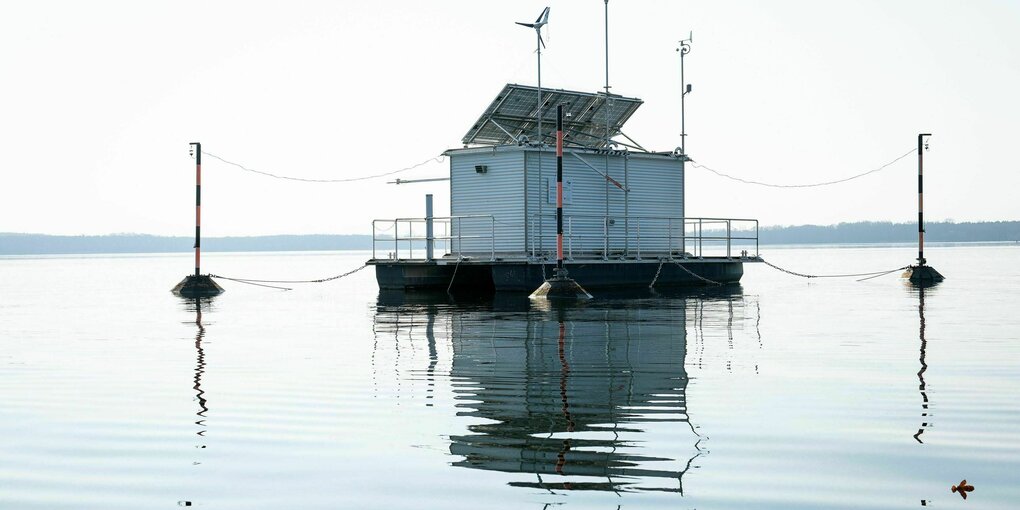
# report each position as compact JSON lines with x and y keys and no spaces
{"x":779,"y":393}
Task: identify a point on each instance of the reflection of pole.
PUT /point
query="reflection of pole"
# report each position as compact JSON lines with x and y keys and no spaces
{"x":561,"y":458}
{"x":924,"y":366}
{"x":200,"y":368}
{"x":430,"y":337}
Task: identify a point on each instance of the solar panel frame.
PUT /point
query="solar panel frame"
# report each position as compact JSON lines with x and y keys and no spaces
{"x":511,"y":115}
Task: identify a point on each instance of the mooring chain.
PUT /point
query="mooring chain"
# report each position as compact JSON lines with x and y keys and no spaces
{"x":874,"y":274}
{"x":681,"y":266}
{"x":698,"y":276}
{"x":251,"y":281}
{"x":455,"y":268}
{"x":657,"y":271}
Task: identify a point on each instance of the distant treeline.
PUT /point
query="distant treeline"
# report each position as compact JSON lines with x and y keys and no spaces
{"x":843,"y":233}
{"x":39,"y":244}
{"x":887,"y":232}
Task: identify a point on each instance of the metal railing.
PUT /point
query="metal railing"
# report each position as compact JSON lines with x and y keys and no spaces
{"x":408,"y":239}
{"x":595,"y":236}
{"x":585,"y":237}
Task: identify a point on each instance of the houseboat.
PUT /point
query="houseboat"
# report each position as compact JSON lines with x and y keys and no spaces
{"x":624,"y":221}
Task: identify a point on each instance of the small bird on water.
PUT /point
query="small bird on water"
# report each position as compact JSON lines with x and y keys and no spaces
{"x":963,"y":488}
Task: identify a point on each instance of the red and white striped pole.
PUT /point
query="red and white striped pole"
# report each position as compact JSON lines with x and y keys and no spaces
{"x":198,"y":205}
{"x":559,"y":188}
{"x":195,"y":286}
{"x":920,"y":198}
{"x":560,"y":286}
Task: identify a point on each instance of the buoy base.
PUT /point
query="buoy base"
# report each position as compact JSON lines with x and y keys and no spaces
{"x":197,"y":286}
{"x":560,"y":287}
{"x":923,"y":275}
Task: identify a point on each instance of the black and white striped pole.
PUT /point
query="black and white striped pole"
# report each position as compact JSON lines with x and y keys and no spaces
{"x":921,"y":273}
{"x":560,"y":286}
{"x":197,"y":285}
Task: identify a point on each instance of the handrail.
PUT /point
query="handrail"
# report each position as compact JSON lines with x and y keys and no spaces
{"x":413,"y":232}
{"x":650,"y":236}
{"x":587,"y":237}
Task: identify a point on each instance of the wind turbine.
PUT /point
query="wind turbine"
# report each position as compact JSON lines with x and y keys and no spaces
{"x":537,"y":25}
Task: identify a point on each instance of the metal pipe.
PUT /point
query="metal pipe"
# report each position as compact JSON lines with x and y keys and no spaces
{"x":430,"y":239}
{"x":570,"y":238}
{"x":605,"y":240}
{"x":729,"y":237}
{"x":669,"y":234}
{"x":639,"y":238}
{"x":626,"y":204}
{"x":684,"y":49}
{"x":541,"y":184}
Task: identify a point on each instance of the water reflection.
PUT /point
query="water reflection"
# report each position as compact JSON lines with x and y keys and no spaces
{"x":198,"y":305}
{"x":922,"y":387}
{"x":584,"y":398}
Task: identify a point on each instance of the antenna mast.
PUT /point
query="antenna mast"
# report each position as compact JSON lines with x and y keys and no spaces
{"x":605,"y":239}
{"x":607,"y":76}
{"x":539,"y":43}
{"x":685,"y":88}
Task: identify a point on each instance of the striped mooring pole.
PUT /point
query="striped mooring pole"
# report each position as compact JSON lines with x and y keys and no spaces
{"x":198,"y":206}
{"x":560,"y":286}
{"x":197,"y":285}
{"x":559,"y":188}
{"x":921,"y":273}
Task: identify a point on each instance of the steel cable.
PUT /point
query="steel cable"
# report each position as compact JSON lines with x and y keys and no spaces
{"x":253,"y":281}
{"x":437,"y":159}
{"x":874,"y":274}
{"x":813,"y":185}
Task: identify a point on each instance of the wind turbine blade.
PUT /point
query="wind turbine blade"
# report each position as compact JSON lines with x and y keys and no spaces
{"x":529,"y":25}
{"x":544,"y":17}
{"x":540,"y":40}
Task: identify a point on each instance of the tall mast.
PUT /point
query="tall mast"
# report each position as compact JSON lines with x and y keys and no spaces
{"x":605,"y":228}
{"x":198,"y":206}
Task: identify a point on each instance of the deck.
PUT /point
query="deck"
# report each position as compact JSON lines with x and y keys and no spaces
{"x":459,"y":253}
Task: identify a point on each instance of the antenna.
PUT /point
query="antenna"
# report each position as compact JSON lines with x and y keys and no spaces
{"x":537,"y":25}
{"x":542,"y":19}
{"x":685,"y":88}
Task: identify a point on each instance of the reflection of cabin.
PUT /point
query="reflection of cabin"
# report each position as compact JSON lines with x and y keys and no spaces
{"x":573,"y":407}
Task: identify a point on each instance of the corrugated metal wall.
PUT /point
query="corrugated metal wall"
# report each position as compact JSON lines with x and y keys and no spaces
{"x":656,"y":193}
{"x":498,"y":191}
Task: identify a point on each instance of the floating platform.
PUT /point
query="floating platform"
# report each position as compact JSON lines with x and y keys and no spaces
{"x":197,"y":286}
{"x":526,"y":276}
{"x":923,"y":275}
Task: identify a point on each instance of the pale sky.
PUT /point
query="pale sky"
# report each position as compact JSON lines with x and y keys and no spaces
{"x":99,"y":101}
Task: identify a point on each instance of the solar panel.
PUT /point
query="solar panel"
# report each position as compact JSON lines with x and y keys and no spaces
{"x":512,"y":115}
